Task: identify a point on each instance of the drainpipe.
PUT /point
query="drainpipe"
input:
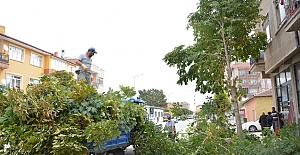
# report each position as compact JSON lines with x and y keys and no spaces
{"x":297,"y":39}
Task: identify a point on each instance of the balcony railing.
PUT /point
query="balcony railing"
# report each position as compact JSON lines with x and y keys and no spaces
{"x":4,"y":57}
{"x":261,"y":59}
{"x":292,"y":11}
{"x":291,"y":6}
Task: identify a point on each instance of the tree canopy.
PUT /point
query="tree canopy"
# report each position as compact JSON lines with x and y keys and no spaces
{"x":223,"y":33}
{"x":60,"y":115}
{"x":153,"y":97}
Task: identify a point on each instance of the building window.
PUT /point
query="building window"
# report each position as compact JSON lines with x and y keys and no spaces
{"x":284,"y":91}
{"x":13,"y":81}
{"x":71,"y":69}
{"x":244,"y":81}
{"x":100,"y":81}
{"x":34,"y":81}
{"x":16,"y":53}
{"x":266,"y":28}
{"x":280,"y":13}
{"x":36,"y":60}
{"x":242,"y":72}
{"x":58,"y":64}
{"x":252,"y":82}
{"x":253,"y":91}
{"x":246,"y":90}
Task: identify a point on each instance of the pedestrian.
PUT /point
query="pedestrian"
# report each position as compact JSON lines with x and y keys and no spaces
{"x":263,"y":121}
{"x":274,"y":115}
{"x":157,"y":119}
{"x":84,"y":62}
{"x":269,"y":122}
{"x":170,"y":127}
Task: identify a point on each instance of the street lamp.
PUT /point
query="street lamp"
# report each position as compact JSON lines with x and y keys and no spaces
{"x":134,"y":79}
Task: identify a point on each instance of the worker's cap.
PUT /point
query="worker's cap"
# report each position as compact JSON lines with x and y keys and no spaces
{"x":168,"y":116}
{"x":92,"y":49}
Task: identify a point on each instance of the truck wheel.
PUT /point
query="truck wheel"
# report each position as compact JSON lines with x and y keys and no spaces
{"x":115,"y":152}
{"x":110,"y":153}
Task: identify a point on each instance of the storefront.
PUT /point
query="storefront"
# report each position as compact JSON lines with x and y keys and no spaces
{"x":284,"y":91}
{"x":287,"y":85}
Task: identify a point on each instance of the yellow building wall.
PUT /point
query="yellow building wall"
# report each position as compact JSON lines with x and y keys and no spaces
{"x":74,"y":66}
{"x":263,"y":104}
{"x":24,"y":69}
{"x":47,"y":61}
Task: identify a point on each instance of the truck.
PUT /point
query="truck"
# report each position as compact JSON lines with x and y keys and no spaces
{"x":114,"y":146}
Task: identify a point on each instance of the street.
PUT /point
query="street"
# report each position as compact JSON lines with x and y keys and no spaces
{"x":181,"y":127}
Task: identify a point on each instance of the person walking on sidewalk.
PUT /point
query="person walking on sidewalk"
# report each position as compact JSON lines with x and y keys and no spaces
{"x":84,"y":62}
{"x":170,"y":127}
{"x":275,"y":123}
{"x":263,"y":121}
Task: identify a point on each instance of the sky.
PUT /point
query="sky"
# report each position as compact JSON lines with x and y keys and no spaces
{"x":131,"y":37}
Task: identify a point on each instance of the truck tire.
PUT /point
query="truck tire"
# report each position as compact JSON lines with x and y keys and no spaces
{"x":115,"y":152}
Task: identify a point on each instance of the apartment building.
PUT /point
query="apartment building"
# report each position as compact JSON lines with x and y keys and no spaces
{"x":251,"y":82}
{"x":185,"y":105}
{"x":22,"y":63}
{"x":97,"y":74}
{"x":281,"y":59}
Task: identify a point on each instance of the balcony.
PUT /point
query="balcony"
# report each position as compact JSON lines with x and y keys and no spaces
{"x":292,"y":9}
{"x":4,"y":60}
{"x":257,"y":64}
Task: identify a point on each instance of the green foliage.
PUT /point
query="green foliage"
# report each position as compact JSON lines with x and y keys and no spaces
{"x":60,"y":115}
{"x":153,"y":97}
{"x":177,"y":110}
{"x":222,"y":35}
{"x":216,"y":136}
{"x":150,"y":140}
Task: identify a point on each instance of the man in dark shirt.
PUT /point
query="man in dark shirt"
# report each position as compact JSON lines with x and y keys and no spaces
{"x":274,"y":114}
{"x":263,"y":121}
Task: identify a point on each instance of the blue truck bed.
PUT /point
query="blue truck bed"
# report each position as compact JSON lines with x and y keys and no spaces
{"x":120,"y":142}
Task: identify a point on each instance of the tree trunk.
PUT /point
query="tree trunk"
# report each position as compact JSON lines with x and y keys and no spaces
{"x":236,"y":110}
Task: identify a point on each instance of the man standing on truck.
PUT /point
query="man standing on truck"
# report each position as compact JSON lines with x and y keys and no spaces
{"x":84,"y":62}
{"x":170,"y":126}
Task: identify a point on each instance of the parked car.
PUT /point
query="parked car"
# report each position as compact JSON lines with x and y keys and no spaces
{"x":178,"y":118}
{"x":175,"y":120}
{"x":189,"y":116}
{"x":251,"y":126}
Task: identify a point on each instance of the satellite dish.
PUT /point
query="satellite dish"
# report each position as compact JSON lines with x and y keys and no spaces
{"x":3,"y":81}
{"x":5,"y":47}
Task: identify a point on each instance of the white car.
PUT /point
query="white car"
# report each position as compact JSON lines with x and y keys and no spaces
{"x":175,"y":120}
{"x":251,"y":126}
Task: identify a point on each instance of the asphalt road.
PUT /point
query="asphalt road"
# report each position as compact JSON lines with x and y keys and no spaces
{"x":181,"y":127}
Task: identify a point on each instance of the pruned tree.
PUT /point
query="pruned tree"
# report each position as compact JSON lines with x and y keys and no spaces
{"x":153,"y":97}
{"x":223,"y":33}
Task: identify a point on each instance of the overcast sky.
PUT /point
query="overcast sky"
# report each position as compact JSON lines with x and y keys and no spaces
{"x":130,"y":36}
